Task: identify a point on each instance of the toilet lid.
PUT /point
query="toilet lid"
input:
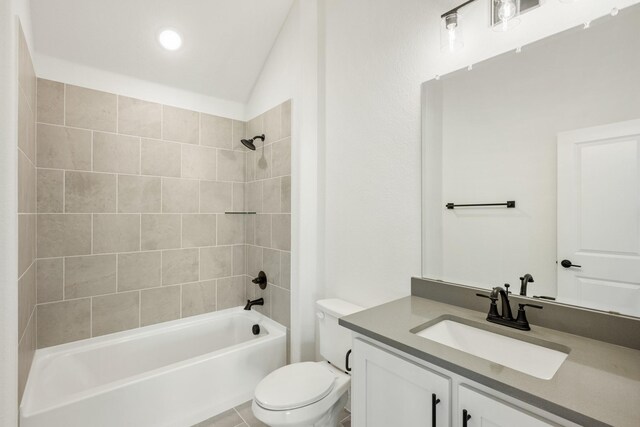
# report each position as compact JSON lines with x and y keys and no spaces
{"x":294,"y":386}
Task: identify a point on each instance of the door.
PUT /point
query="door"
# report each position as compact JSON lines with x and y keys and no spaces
{"x":388,"y":390}
{"x":599,"y":217}
{"x":475,"y":409}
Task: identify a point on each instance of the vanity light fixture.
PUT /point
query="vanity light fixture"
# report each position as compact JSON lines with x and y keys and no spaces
{"x":507,"y":12}
{"x":170,"y":39}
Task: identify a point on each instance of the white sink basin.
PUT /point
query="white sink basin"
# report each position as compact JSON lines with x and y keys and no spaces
{"x":535,"y":360}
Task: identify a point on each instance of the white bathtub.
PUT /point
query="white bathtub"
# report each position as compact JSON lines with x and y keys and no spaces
{"x":171,"y":374}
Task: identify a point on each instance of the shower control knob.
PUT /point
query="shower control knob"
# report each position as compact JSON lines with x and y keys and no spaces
{"x":261,"y":280}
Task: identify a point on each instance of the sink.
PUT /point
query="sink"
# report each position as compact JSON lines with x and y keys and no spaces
{"x":532,"y":359}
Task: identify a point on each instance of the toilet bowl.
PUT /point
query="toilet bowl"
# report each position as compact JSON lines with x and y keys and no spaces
{"x":311,"y":393}
{"x":302,"y":394}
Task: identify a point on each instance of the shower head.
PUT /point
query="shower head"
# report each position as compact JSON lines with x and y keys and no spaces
{"x":249,"y":142}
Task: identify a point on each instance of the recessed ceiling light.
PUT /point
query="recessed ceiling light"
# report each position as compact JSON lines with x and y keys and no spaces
{"x":170,"y":39}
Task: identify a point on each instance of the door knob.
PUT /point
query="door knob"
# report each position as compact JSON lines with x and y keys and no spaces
{"x":568,"y":264}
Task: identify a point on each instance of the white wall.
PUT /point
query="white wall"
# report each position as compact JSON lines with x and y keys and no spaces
{"x":378,"y":52}
{"x":82,"y":75}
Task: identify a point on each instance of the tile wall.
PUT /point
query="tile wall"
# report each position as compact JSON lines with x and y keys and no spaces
{"x":268,"y":192}
{"x":26,"y":212}
{"x":131,"y":196}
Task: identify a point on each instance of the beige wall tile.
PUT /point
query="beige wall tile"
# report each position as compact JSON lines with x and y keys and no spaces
{"x":231,"y":166}
{"x":26,"y":241}
{"x":63,"y":235}
{"x":50,"y":102}
{"x":230,"y":229}
{"x":116,"y":233}
{"x":26,"y":127}
{"x":285,"y":127}
{"x":49,"y":280}
{"x":285,"y":203}
{"x":115,"y":313}
{"x":239,"y":260}
{"x":89,"y":275}
{"x":261,"y":162}
{"x":250,"y":166}
{"x":159,"y":305}
{"x":180,"y":195}
{"x":198,"y":298}
{"x":139,"y":270}
{"x":250,"y":229}
{"x":64,"y":321}
{"x":254,"y":260}
{"x":238,"y":196}
{"x":285,"y":270}
{"x":180,"y":125}
{"x":138,"y":117}
{"x":160,"y":231}
{"x":255,"y":126}
{"x":50,"y":189}
{"x":26,"y":350}
{"x":26,"y":297}
{"x":215,"y":262}
{"x":272,"y":124}
{"x":263,"y":230}
{"x":216,"y":197}
{"x":198,"y":162}
{"x":198,"y":230}
{"x":87,"y":192}
{"x":116,"y":153}
{"x":239,"y":133}
{"x":281,"y":235}
{"x":271,"y":195}
{"x":160,"y":158}
{"x":180,"y":266}
{"x":26,"y":73}
{"x":138,"y":194}
{"x":26,"y":185}
{"x":281,"y":158}
{"x":63,"y":148}
{"x":254,"y":196}
{"x":216,"y":131}
{"x":281,"y":306}
{"x":230,"y":292}
{"x":90,"y":109}
{"x":271,"y":265}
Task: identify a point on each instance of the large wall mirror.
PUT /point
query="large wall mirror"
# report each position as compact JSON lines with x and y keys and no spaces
{"x":555,"y":129}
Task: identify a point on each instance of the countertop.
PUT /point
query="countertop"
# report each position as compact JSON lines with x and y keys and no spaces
{"x":597,"y":385}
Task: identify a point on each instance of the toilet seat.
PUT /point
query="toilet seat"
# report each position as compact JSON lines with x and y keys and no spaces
{"x":295,"y":386}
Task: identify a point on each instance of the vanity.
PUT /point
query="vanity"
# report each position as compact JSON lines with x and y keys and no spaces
{"x":531,"y":172}
{"x":546,"y":377}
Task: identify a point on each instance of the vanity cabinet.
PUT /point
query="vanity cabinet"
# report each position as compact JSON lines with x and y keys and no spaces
{"x":389,"y":389}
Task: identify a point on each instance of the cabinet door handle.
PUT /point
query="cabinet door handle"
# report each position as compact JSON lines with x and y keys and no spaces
{"x":346,"y":361}
{"x":434,"y":402}
{"x":465,"y":417}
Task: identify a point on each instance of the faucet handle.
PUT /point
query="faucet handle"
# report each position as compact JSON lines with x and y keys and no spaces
{"x":506,"y":287}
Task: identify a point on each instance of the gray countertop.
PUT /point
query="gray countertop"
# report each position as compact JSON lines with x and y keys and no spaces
{"x":598,"y":384}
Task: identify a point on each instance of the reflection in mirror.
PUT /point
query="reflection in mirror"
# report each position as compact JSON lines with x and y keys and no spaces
{"x":556,"y":129}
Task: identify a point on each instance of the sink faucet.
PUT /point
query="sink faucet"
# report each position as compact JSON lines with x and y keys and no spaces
{"x":259,"y":301}
{"x":524,"y":281}
{"x":506,"y":317}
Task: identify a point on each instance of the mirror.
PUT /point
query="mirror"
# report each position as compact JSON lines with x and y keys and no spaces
{"x":554,"y":128}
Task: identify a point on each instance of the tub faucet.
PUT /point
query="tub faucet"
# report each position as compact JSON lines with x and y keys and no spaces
{"x":524,"y":281}
{"x":259,"y":301}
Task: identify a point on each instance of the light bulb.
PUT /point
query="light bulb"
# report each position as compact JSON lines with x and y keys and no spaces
{"x":451,"y":33}
{"x":170,"y":39}
{"x":507,"y":10}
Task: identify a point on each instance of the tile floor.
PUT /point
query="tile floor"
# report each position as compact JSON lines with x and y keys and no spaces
{"x":241,"y":416}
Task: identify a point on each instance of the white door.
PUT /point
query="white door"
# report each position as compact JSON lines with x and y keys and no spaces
{"x":388,"y":390}
{"x":476,"y":409}
{"x":599,"y":217}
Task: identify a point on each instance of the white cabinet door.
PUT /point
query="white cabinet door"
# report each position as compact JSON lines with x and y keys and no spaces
{"x":388,"y":390}
{"x":481,"y":410}
{"x":599,"y":217}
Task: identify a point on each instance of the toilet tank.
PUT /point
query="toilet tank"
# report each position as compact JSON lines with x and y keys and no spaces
{"x":334,"y":340}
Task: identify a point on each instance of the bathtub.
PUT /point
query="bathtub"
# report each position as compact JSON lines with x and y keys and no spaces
{"x":172,"y":374}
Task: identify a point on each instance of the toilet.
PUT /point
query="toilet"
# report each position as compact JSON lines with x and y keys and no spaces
{"x":311,"y":393}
